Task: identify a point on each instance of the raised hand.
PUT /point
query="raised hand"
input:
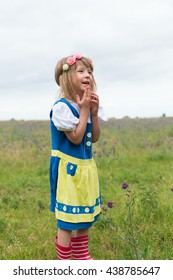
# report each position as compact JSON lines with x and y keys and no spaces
{"x":85,"y":101}
{"x":94,"y":104}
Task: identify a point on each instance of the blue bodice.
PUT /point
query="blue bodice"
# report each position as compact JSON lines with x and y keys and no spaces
{"x":62,"y":143}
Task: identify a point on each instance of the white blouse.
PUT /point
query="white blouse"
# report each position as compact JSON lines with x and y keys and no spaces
{"x":64,"y":119}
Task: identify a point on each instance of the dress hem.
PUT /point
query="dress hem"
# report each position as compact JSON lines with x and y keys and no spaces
{"x":75,"y":226}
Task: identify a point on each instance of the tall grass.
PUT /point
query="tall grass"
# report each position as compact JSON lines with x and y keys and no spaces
{"x":138,"y":225}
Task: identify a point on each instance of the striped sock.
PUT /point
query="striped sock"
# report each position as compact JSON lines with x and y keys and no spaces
{"x":80,"y":248}
{"x":63,"y":253}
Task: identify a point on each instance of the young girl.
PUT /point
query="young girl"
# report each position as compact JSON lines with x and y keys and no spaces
{"x":75,"y":194}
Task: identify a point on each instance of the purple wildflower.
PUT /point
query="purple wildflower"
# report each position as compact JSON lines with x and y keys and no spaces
{"x":110,"y":204}
{"x":171,"y":189}
{"x":125,"y":185}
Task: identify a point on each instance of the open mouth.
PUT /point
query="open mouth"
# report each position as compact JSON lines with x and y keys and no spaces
{"x":86,"y":83}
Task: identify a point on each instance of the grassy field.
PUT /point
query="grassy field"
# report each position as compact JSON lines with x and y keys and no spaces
{"x":138,"y":222}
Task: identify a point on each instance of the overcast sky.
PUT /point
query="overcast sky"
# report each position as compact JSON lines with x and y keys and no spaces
{"x":129,"y":41}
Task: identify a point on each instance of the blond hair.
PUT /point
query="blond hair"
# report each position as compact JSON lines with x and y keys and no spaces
{"x":67,"y":79}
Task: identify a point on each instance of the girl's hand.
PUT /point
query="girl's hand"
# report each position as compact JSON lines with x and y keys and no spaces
{"x":85,"y":101}
{"x":94,"y":104}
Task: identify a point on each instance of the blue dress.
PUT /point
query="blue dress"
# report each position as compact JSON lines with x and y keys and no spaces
{"x":74,"y":185}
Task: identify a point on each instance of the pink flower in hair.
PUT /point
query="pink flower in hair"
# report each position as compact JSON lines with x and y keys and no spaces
{"x":71,"y":60}
{"x":90,"y":60}
{"x":78,"y":56}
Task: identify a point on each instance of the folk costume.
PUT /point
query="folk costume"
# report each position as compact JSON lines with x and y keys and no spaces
{"x":74,"y":185}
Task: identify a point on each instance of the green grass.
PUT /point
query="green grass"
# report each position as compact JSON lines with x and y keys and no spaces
{"x":138,"y":151}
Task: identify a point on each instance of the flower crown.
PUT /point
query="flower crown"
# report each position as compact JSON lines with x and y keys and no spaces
{"x":72,"y":60}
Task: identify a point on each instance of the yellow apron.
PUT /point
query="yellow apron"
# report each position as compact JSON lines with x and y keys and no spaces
{"x":78,"y":195}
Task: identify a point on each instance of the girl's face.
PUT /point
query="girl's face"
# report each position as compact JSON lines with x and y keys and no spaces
{"x":84,"y":77}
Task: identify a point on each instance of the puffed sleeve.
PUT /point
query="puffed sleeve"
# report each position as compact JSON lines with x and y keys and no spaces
{"x":101,"y":114}
{"x":63,"y":117}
